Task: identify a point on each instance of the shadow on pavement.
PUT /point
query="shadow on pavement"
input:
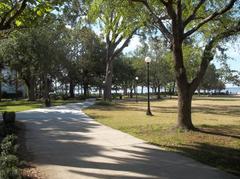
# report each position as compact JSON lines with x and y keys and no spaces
{"x":64,"y":136}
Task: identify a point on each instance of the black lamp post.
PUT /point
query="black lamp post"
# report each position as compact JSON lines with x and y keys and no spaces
{"x":148,"y":60}
{"x":136,"y":78}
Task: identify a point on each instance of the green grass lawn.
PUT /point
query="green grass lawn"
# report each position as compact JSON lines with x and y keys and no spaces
{"x":23,"y":105}
{"x":218,"y":117}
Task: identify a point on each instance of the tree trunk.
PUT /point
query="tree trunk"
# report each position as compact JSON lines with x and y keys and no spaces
{"x":66,"y":89}
{"x":173,"y":87}
{"x":125,"y":90}
{"x":184,"y":120}
{"x":142,"y":89}
{"x":31,"y":90}
{"x":155,"y":89}
{"x":30,"y":83}
{"x":16,"y":84}
{"x":46,"y":92}
{"x":100,"y":92}
{"x":199,"y":94}
{"x":85,"y":90}
{"x":31,"y":94}
{"x":108,"y":81}
{"x":184,"y":109}
{"x":131,"y":92}
{"x":71,"y":89}
{"x":158,"y":92}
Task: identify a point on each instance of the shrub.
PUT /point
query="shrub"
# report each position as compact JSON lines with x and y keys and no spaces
{"x":9,"y":145}
{"x":8,"y":160}
{"x":8,"y":167}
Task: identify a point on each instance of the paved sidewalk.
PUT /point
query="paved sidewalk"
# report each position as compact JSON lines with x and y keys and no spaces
{"x":66,"y":144}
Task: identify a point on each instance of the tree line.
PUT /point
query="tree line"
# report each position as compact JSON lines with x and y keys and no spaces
{"x":56,"y":45}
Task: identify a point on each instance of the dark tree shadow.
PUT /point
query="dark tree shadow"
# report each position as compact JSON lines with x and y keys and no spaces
{"x":223,"y":157}
{"x":220,"y":130}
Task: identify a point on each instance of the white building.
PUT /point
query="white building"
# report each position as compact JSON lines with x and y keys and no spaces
{"x":9,"y":83}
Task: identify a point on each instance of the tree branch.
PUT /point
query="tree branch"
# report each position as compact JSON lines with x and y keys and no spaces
{"x":7,"y":24}
{"x":125,"y":44}
{"x":162,"y":27}
{"x":209,"y":18}
{"x":193,"y":15}
{"x":208,"y":55}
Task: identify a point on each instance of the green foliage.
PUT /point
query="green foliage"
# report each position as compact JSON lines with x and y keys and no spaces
{"x":8,"y":145}
{"x":124,"y":72}
{"x":115,"y":17}
{"x":8,"y":159}
{"x":24,"y":13}
{"x":8,"y":167}
{"x":212,"y":79}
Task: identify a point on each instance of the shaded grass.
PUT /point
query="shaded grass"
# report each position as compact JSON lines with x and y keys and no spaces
{"x":23,"y":105}
{"x":217,"y":143}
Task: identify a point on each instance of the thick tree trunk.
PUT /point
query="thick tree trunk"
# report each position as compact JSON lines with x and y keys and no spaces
{"x":184,"y":120}
{"x":30,"y":83}
{"x":108,"y":81}
{"x":71,"y":89}
{"x":184,"y":109}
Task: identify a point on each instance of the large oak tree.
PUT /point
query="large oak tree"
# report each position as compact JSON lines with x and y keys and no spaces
{"x":182,"y":20}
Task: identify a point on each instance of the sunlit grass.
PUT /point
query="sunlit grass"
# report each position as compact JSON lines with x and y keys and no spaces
{"x":23,"y":105}
{"x":217,"y":117}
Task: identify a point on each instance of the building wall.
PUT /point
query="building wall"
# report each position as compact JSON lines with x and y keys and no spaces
{"x":9,"y":81}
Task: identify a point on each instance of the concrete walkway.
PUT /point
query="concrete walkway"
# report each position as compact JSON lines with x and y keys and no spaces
{"x":66,"y":144}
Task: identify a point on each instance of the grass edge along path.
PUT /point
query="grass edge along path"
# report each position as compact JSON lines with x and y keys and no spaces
{"x":23,"y":105}
{"x":217,"y":145}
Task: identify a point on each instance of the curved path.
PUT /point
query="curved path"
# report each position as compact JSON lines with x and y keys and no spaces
{"x":66,"y":144}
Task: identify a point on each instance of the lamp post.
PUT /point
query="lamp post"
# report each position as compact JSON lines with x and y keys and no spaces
{"x":136,"y":78}
{"x":148,"y":60}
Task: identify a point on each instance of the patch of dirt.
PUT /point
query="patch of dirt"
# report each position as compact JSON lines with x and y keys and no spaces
{"x":31,"y":172}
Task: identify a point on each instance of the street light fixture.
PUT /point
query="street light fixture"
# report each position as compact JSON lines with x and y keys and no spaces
{"x":148,"y":60}
{"x":136,"y":78}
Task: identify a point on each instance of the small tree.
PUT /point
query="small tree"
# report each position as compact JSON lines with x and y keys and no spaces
{"x":118,"y":27}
